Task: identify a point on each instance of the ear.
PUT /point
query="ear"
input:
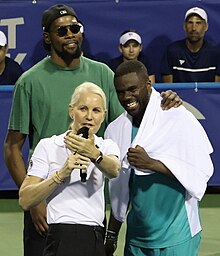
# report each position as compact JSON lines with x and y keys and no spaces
{"x":141,"y":47}
{"x":46,"y":37}
{"x":6,"y":49}
{"x":148,"y":84}
{"x":207,"y":27}
{"x":120,"y":49}
{"x":184,"y":26}
{"x":71,"y":111}
{"x":104,"y":115}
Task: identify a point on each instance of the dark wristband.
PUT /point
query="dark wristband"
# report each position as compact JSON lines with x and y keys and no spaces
{"x":111,"y":235}
{"x":99,"y":158}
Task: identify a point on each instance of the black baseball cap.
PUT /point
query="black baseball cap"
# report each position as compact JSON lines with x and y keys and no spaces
{"x":53,"y":13}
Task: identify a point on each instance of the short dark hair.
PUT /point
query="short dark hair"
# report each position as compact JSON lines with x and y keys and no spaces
{"x":132,"y":66}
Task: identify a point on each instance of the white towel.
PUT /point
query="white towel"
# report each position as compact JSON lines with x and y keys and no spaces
{"x":174,"y":137}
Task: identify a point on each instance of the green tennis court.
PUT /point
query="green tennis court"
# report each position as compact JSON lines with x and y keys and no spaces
{"x":11,"y":225}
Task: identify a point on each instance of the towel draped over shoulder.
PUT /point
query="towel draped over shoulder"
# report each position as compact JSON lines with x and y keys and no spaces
{"x":174,"y":137}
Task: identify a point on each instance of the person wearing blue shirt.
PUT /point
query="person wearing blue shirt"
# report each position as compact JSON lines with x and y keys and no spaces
{"x":10,"y":70}
{"x":193,"y":59}
{"x":130,"y":47}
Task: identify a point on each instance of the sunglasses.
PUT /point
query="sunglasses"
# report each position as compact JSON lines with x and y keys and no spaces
{"x":63,"y":30}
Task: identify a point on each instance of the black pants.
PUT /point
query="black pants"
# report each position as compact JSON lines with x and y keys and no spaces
{"x":74,"y":240}
{"x":33,"y":243}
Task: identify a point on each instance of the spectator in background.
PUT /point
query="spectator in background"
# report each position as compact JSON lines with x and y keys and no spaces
{"x":193,"y":59}
{"x":10,"y":70}
{"x":130,"y":47}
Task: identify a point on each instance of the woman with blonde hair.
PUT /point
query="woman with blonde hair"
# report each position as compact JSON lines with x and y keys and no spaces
{"x":68,"y":171}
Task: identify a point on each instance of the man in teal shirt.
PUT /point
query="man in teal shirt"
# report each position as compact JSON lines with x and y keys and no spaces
{"x":166,"y":165}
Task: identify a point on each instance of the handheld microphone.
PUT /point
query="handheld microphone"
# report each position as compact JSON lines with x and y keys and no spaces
{"x":83,"y":132}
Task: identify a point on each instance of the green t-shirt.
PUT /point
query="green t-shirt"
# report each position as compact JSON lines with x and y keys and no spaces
{"x":43,"y":93}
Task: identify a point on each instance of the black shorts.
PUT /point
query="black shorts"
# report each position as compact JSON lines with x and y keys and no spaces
{"x":74,"y":240}
{"x":34,"y":244}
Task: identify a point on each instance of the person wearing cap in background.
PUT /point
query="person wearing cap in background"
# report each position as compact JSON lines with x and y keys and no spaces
{"x":10,"y":70}
{"x":193,"y":59}
{"x":130,"y":47}
{"x":41,"y":97}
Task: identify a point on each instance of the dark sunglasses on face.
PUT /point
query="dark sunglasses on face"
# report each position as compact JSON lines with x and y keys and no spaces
{"x":63,"y":30}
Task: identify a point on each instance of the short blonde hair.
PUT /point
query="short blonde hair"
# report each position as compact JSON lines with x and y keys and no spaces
{"x":87,"y":87}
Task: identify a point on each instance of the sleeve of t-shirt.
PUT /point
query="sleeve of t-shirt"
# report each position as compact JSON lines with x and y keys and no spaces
{"x":39,"y":164}
{"x":18,"y":71}
{"x":217,"y":57}
{"x":109,"y":147}
{"x":166,"y":67}
{"x":20,"y":110}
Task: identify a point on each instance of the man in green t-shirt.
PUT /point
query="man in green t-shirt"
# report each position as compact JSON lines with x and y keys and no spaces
{"x":40,"y":102}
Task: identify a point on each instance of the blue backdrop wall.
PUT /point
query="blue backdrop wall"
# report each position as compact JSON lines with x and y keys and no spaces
{"x":158,"y":22}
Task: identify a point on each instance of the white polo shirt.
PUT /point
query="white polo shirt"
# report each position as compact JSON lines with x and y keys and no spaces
{"x":73,"y":201}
